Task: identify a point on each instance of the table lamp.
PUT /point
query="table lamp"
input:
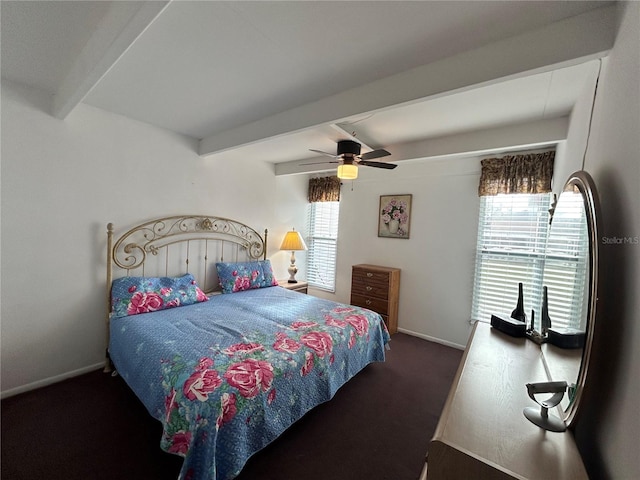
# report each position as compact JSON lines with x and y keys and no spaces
{"x":293,"y":241}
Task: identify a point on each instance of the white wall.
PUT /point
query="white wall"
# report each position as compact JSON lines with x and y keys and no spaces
{"x":607,"y":432}
{"x":437,"y":260}
{"x":570,"y":154}
{"x":290,"y":198}
{"x":62,"y":181}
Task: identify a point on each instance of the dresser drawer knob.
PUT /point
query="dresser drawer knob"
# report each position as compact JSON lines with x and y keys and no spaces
{"x":369,"y":274}
{"x":369,"y":288}
{"x":368,"y":302}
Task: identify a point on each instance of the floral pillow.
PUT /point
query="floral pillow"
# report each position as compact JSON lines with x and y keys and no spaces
{"x":236,"y":277}
{"x":134,"y":295}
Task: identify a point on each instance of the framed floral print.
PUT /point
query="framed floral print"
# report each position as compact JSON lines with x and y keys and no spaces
{"x":394,"y":216}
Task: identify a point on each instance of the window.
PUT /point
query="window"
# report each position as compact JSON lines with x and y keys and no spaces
{"x":515,"y":245}
{"x":567,"y":262}
{"x":322,"y":243}
{"x":512,"y":233}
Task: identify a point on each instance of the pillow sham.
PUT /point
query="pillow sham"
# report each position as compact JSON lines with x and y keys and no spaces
{"x":239,"y":276}
{"x":135,"y":295}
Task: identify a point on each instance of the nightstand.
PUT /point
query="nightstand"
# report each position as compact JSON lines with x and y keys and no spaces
{"x":296,"y":287}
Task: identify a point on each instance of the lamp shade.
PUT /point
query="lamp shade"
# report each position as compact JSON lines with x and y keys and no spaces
{"x":293,"y":241}
{"x":348,"y":171}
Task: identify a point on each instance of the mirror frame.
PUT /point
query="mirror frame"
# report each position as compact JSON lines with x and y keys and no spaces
{"x":584,"y":183}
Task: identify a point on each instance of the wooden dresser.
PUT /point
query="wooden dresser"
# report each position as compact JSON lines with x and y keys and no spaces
{"x":378,"y":289}
{"x":482,"y":432}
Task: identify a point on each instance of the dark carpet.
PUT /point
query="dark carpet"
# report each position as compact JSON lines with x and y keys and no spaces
{"x":377,"y":426}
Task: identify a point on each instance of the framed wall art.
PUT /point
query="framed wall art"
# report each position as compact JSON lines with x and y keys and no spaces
{"x":394,"y":216}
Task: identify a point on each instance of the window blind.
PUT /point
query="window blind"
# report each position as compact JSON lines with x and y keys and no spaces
{"x":515,"y":244}
{"x":512,"y":234}
{"x":566,"y":270}
{"x":322,"y":243}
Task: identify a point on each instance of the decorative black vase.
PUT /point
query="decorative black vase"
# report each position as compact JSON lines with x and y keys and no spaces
{"x":518,"y":313}
{"x":545,"y":321}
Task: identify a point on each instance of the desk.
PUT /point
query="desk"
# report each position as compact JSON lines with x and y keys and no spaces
{"x":482,"y":432}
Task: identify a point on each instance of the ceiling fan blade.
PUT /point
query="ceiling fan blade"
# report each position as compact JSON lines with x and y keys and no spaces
{"x":374,"y":154}
{"x":319,"y":163}
{"x":324,"y":153}
{"x":388,"y":166}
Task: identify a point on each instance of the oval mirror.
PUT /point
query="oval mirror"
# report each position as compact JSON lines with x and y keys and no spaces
{"x":570,"y":277}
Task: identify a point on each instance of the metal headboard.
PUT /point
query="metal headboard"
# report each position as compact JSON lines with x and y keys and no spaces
{"x":207,"y":239}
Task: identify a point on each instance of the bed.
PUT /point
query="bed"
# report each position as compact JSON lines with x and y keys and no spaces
{"x":224,"y":358}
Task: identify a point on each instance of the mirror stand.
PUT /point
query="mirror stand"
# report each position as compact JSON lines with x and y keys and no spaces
{"x":542,"y":418}
{"x":536,"y":336}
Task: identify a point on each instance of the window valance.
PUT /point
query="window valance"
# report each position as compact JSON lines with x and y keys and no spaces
{"x":529,"y":173}
{"x":324,"y":189}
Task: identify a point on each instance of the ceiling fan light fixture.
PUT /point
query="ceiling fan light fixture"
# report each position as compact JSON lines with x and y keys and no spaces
{"x":348,"y":171}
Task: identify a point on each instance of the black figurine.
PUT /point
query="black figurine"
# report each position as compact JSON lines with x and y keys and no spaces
{"x":518,"y":313}
{"x":545,"y":322}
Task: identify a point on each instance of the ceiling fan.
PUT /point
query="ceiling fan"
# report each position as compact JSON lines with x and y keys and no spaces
{"x":348,"y":157}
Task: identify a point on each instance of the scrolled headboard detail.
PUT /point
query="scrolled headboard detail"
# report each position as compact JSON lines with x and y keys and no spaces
{"x":131,"y":249}
{"x":173,"y":242}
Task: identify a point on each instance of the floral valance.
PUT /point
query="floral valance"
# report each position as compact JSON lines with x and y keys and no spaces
{"x":324,"y":189}
{"x":530,"y":173}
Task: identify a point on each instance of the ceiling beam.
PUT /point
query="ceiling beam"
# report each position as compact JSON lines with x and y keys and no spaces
{"x":350,"y":135}
{"x":116,"y":32}
{"x":509,"y":138}
{"x":518,"y":137}
{"x":568,"y":42}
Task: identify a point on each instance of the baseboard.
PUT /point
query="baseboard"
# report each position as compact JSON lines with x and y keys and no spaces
{"x":48,"y":381}
{"x":74,"y":373}
{"x":431,"y":339}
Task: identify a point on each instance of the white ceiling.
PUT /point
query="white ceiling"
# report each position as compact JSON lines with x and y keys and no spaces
{"x":211,"y":69}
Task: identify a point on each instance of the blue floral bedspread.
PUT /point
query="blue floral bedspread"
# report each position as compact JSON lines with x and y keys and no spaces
{"x":227,"y":376}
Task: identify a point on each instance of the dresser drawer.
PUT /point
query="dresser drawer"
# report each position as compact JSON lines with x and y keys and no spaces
{"x":370,"y":283}
{"x":371,"y":276}
{"x":372,"y":303}
{"x":370,"y":289}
